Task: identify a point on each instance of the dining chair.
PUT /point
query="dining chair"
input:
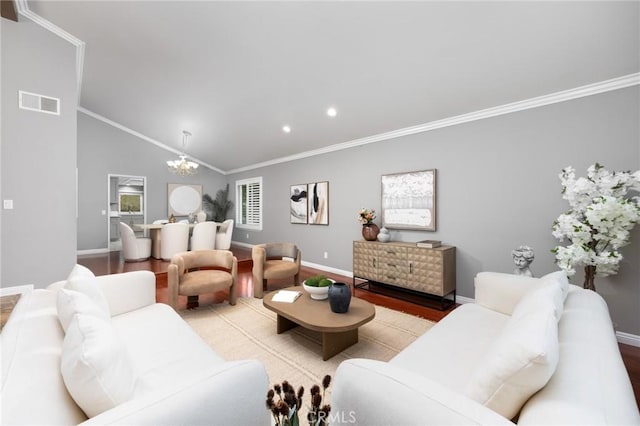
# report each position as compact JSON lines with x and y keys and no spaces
{"x":134,"y":249}
{"x":174,"y":238}
{"x":223,"y":235}
{"x":204,"y":236}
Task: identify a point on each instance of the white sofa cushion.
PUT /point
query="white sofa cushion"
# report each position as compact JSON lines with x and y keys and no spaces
{"x":501,"y":292}
{"x":83,"y":280}
{"x":95,"y":365}
{"x":520,"y":362}
{"x":539,"y":299}
{"x":559,"y":277}
{"x":71,"y":302}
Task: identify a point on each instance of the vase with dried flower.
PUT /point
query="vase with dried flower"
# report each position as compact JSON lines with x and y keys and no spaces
{"x":284,"y":404}
{"x":370,"y":230}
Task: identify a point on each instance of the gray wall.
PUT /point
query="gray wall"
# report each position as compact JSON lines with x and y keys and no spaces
{"x":38,"y":157}
{"x":104,"y":149}
{"x":498,"y":188}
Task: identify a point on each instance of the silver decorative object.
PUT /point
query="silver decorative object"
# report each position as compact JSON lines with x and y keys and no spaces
{"x":523,"y":257}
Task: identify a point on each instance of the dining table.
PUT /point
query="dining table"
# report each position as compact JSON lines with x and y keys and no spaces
{"x":154,"y":233}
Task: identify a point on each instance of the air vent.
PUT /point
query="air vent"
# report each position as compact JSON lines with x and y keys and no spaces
{"x":41,"y":103}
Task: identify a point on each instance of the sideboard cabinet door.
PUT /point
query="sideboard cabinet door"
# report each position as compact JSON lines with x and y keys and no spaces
{"x":427,"y":271}
{"x":365,"y":260}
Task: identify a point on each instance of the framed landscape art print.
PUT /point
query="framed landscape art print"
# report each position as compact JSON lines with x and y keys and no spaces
{"x":409,"y":200}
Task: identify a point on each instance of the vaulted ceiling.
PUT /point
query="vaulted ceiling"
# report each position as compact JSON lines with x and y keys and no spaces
{"x":234,"y":73}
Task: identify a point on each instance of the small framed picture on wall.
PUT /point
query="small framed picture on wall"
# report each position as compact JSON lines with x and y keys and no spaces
{"x":318,"y":202}
{"x":298,"y":203}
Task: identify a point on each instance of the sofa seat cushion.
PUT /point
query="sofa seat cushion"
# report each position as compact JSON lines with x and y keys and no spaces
{"x":204,"y":281}
{"x":163,"y":349}
{"x":275,"y":269}
{"x":450,"y":351}
{"x":31,"y":348}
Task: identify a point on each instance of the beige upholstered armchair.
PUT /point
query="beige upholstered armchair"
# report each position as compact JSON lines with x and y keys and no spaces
{"x":186,"y":276}
{"x":268,"y":263}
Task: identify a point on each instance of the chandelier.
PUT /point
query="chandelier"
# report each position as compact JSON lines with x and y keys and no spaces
{"x":183,"y":167}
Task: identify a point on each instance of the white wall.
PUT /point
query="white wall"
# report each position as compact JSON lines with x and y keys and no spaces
{"x":38,"y":157}
{"x":498,"y":188}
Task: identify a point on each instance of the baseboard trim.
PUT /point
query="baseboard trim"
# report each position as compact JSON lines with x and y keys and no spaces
{"x":18,"y":289}
{"x":93,"y":251}
{"x":463,"y":300}
{"x":328,"y":269}
{"x":245,"y":245}
{"x":628,"y":338}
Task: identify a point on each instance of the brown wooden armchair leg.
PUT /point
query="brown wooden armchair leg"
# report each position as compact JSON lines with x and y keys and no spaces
{"x":192,"y":302}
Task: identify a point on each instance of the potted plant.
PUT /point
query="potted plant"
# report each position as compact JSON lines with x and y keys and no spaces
{"x":217,"y":208}
{"x":317,"y":286}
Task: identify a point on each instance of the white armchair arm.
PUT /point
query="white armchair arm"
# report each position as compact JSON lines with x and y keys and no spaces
{"x":368,"y":392}
{"x":128,"y":291}
{"x":232,"y":393}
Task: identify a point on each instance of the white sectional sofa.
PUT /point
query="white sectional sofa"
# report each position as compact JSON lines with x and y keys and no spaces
{"x":142,"y":365}
{"x":484,"y":363}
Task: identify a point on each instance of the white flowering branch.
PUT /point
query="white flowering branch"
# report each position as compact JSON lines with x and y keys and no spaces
{"x":599,"y":222}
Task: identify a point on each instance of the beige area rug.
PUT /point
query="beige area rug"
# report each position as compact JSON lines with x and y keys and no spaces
{"x":248,"y":331}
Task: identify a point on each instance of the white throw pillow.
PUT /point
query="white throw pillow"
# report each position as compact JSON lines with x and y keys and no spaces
{"x":561,"y":278}
{"x":82,"y":279}
{"x":521,"y":362}
{"x":71,"y":302}
{"x":543,"y":297}
{"x":95,"y":365}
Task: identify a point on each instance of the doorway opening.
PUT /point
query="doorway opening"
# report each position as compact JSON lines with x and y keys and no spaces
{"x":127,"y":202}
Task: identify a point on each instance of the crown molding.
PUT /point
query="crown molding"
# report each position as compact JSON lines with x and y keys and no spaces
{"x":143,"y":137}
{"x":23,"y":9}
{"x":540,"y":101}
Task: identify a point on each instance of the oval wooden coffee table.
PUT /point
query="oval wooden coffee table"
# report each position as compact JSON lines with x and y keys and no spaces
{"x":339,"y":331}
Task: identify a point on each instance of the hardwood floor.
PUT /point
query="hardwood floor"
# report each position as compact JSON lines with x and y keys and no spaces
{"x":111,"y":263}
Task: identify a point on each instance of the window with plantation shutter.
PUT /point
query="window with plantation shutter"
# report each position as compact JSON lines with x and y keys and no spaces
{"x":249,"y":203}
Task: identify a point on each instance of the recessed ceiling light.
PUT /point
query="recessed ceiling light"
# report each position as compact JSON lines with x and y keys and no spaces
{"x":286,"y":129}
{"x":331,"y":112}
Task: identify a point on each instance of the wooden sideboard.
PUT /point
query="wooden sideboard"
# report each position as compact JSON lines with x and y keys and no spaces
{"x":427,"y":271}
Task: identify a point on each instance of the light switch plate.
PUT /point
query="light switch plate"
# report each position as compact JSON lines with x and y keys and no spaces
{"x":8,"y":204}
